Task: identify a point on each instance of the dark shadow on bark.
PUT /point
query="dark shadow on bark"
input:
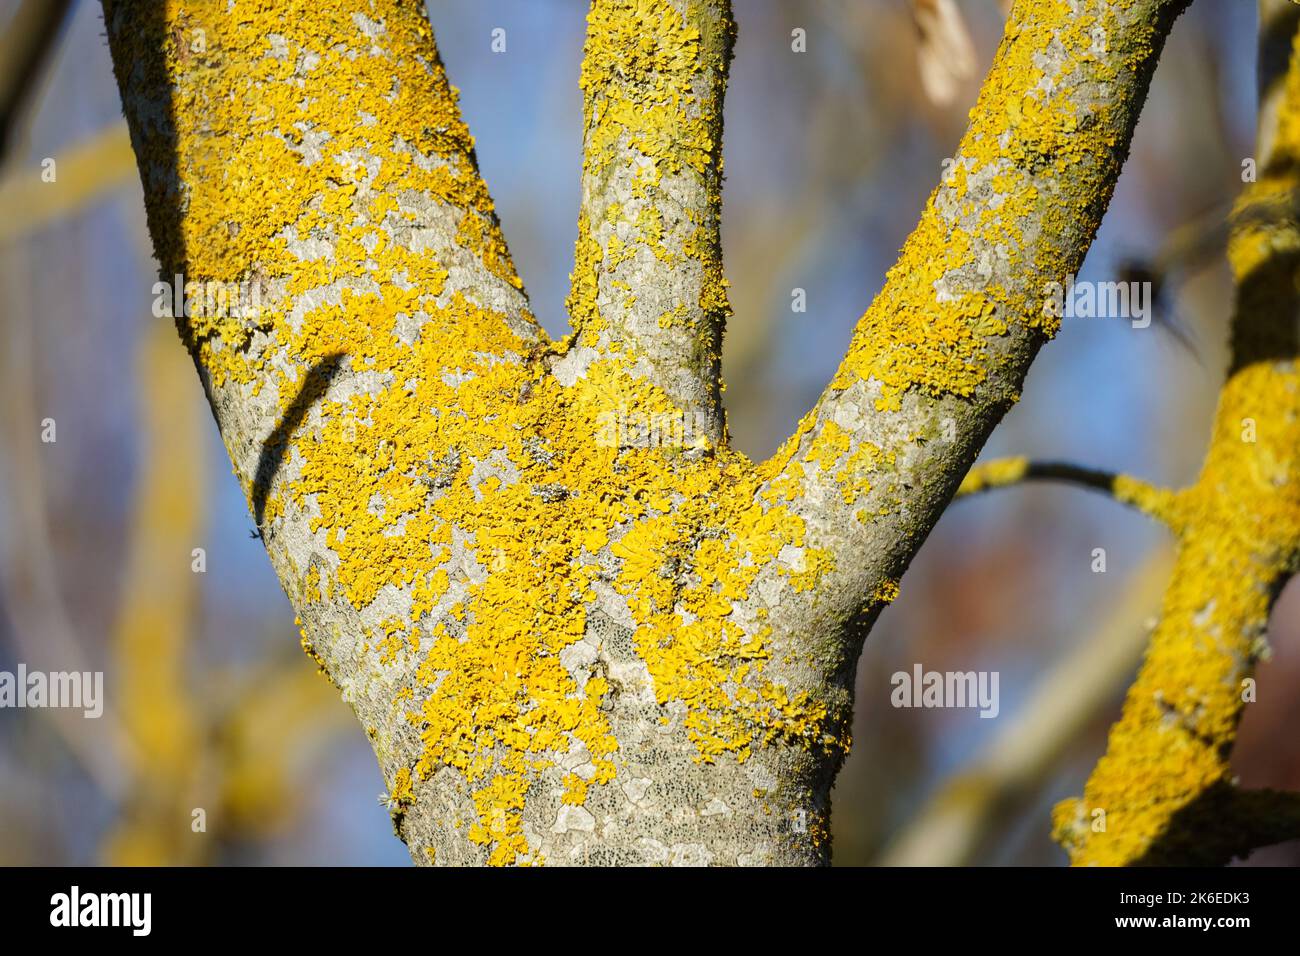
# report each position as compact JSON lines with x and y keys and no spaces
{"x":139,"y":36}
{"x":315,"y":383}
{"x":1224,"y":823}
{"x":1266,"y":326}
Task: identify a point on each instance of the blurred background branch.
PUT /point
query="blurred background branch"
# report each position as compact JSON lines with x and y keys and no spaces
{"x":28,"y":37}
{"x":953,"y":827}
{"x":86,"y":172}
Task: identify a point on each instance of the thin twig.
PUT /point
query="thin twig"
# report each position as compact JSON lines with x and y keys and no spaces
{"x":1162,"y":504}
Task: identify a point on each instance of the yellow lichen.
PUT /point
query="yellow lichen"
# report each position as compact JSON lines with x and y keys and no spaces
{"x":450,"y":436}
{"x":1161,"y":792}
{"x":454,"y":446}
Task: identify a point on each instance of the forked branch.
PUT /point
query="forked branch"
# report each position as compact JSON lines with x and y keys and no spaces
{"x":943,"y":350}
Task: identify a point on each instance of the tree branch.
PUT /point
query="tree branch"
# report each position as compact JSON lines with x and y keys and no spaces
{"x":1165,"y":775}
{"x":28,"y":38}
{"x":1153,"y":501}
{"x":156,"y":622}
{"x":557,"y":643}
{"x":943,"y":350}
{"x":309,"y":180}
{"x":647,"y":281}
{"x":961,"y":818}
{"x":86,"y":172}
{"x":1216,"y":824}
{"x":1258,"y":818}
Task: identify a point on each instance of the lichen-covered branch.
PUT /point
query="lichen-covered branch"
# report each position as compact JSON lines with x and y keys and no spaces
{"x":647,"y":279}
{"x":942,"y":352}
{"x":576,"y":626}
{"x":1164,"y":789}
{"x":1151,"y":500}
{"x":313,"y":197}
{"x":156,"y":618}
{"x":552,"y":636}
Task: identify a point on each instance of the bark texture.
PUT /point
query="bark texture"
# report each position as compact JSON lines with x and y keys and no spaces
{"x":568,"y":640}
{"x":647,"y":280}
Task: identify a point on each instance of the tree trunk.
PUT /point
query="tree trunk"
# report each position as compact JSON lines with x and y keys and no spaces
{"x":576,"y":626}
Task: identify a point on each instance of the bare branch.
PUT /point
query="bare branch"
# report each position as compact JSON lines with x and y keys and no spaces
{"x":945,"y":54}
{"x":28,"y":38}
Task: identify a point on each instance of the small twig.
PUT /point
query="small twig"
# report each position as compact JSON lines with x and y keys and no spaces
{"x":1152,"y":500}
